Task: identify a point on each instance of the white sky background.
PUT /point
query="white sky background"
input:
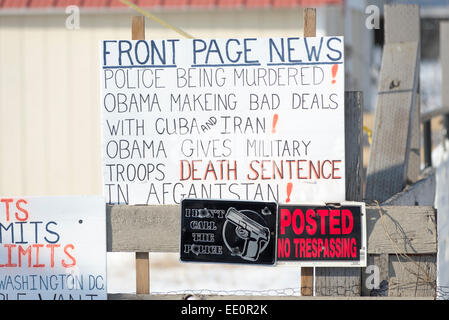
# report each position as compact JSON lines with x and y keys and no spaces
{"x":440,"y":157}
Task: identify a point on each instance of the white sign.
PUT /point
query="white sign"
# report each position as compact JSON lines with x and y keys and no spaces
{"x":254,"y":119}
{"x":52,"y":248}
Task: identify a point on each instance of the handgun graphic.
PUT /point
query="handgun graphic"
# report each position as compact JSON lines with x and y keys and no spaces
{"x":255,"y":235}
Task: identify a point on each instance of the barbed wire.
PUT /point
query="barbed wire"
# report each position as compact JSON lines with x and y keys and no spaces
{"x":237,"y":292}
{"x":384,"y":290}
{"x":422,"y":283}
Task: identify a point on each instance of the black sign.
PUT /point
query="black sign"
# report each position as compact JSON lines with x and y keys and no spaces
{"x":228,"y":231}
{"x":316,"y":234}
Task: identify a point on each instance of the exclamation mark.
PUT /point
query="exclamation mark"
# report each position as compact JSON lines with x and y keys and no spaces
{"x":275,"y":121}
{"x":334,"y":72}
{"x":289,"y":191}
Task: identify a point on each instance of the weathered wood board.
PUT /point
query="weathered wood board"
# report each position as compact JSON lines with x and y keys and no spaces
{"x":381,"y":262}
{"x":444,"y":62}
{"x":400,"y":229}
{"x":143,"y":228}
{"x":142,"y":258}
{"x":402,"y":23}
{"x":354,"y":145}
{"x":388,"y":163}
{"x":157,"y":229}
{"x":337,"y":282}
{"x":412,"y":277}
{"x":421,"y":193}
{"x":403,"y":276}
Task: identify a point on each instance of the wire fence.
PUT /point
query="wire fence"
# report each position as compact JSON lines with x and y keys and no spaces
{"x":441,"y":292}
{"x":418,"y":279}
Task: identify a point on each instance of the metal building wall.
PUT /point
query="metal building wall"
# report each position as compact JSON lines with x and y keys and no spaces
{"x":50,"y":135}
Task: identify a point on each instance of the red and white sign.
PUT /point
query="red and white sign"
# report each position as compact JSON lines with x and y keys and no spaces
{"x":52,"y":248}
{"x":322,"y":235}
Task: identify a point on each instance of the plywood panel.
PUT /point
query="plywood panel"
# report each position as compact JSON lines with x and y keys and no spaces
{"x":400,"y":229}
{"x":390,"y":149}
{"x":412,"y":276}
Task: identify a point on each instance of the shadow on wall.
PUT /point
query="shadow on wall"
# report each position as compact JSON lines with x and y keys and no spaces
{"x":440,"y":157}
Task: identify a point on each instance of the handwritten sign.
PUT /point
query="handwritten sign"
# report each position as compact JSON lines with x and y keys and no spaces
{"x":253,"y":119}
{"x":52,"y":248}
{"x":322,"y":235}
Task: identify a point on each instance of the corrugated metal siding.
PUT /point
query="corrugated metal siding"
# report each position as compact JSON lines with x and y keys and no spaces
{"x":50,"y":135}
{"x":66,"y":3}
{"x":14,"y":3}
{"x":49,"y":107}
{"x":33,"y":4}
{"x":95,"y":3}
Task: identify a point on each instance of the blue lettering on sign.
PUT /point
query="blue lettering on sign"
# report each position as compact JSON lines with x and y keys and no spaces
{"x":304,"y":51}
{"x":139,"y":54}
{"x":232,"y":52}
{"x":328,"y":43}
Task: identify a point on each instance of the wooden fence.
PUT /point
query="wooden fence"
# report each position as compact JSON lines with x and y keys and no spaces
{"x":401,"y":219}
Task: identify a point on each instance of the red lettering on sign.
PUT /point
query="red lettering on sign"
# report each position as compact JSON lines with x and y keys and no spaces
{"x":302,"y":248}
{"x":52,"y":253}
{"x":286,"y":219}
{"x":298,"y":213}
{"x":23,"y":252}
{"x":9,"y":264}
{"x":7,"y":202}
{"x":307,"y":250}
{"x":347,"y":221}
{"x":21,"y":209}
{"x":65,"y":264}
{"x":296,"y":241}
{"x":323,"y":213}
{"x":312,"y":226}
{"x":334,"y":222}
{"x":37,"y":264}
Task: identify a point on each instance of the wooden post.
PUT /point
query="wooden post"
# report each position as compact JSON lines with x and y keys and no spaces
{"x":427,"y":139}
{"x":309,"y":22}
{"x":340,"y":281}
{"x":309,"y":31}
{"x":142,"y":273}
{"x":138,"y":28}
{"x":354,"y":145}
{"x":395,"y":152}
{"x":402,"y":23}
{"x":142,"y":258}
{"x":394,"y":156}
{"x":307,"y":281}
{"x":388,"y":164}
